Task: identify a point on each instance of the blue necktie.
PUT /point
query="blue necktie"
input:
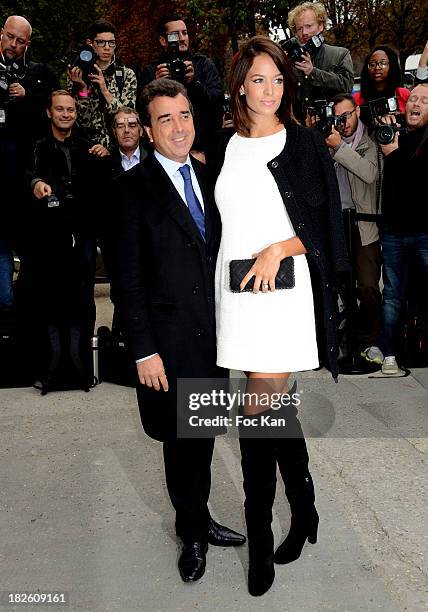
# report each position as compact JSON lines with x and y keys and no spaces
{"x":193,"y":203}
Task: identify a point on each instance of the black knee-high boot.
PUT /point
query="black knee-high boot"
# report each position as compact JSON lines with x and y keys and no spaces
{"x":293,"y":460}
{"x":258,"y":458}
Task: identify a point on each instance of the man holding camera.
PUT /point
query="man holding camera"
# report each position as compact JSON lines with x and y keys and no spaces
{"x":100,"y":84}
{"x":355,"y":158}
{"x":404,"y":233}
{"x":322,"y":71}
{"x":198,"y":74}
{"x":58,"y":276}
{"x":24,"y":89}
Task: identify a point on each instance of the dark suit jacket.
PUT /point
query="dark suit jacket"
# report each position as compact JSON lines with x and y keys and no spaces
{"x":164,"y":276}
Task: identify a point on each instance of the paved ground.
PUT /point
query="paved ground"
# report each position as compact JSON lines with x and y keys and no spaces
{"x":84,"y":507}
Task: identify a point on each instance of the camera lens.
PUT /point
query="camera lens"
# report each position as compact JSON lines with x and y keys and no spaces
{"x":385,"y":134}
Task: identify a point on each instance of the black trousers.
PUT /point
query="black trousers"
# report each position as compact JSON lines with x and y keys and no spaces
{"x":188,"y":479}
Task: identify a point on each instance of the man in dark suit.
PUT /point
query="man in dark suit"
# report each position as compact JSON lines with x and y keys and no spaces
{"x":166,"y":248}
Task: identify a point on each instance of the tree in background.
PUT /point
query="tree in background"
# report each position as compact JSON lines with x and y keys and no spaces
{"x":59,"y":26}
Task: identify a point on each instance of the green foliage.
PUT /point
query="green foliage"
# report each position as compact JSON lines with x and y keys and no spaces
{"x":59,"y":26}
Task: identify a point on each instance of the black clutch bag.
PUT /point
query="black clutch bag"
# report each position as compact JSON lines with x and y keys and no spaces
{"x":238,"y":268}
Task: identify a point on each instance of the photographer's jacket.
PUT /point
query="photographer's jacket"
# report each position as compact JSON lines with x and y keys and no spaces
{"x":60,"y":246}
{"x":205,"y":94}
{"x":94,"y":115}
{"x":333,"y":73}
{"x":26,"y":120}
{"x":404,"y":205}
{"x":363,"y":173}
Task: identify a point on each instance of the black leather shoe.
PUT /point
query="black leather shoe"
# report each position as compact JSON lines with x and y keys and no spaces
{"x":192,"y":561}
{"x":218,"y":535}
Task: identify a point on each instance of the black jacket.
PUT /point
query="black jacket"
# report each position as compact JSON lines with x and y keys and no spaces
{"x":205,"y":93}
{"x":404,"y":209}
{"x":307,"y":182}
{"x":59,"y":245}
{"x":26,"y":117}
{"x":165,"y":283}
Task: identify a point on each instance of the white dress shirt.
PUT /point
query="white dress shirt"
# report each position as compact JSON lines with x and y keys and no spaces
{"x":130,"y":162}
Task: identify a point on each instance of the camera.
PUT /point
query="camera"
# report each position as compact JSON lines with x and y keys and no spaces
{"x":85,"y":60}
{"x":323,"y":112}
{"x":175,"y":64}
{"x":384,"y":133}
{"x":9,"y":73}
{"x":295,"y":50}
{"x":52,"y":201}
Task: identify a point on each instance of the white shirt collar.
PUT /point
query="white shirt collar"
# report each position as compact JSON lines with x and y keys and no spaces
{"x":135,"y":154}
{"x":169,"y":165}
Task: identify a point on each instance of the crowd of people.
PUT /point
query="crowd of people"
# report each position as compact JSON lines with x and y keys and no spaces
{"x":142,"y":166}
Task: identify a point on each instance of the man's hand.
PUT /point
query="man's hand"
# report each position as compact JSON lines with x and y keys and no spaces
{"x":190,"y":72}
{"x":41,"y":190}
{"x":97,"y":78}
{"x":99,"y":151}
{"x":305,"y":65}
{"x":162,"y":72}
{"x":16,"y":90}
{"x":75,"y":75}
{"x":389,"y":148}
{"x":152,"y":374}
{"x":423,"y":60}
{"x":334,"y":139}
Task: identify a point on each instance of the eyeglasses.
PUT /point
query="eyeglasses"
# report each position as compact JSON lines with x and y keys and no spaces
{"x":347,"y":115}
{"x":132,"y":125}
{"x":104,"y":43}
{"x":381,"y":64}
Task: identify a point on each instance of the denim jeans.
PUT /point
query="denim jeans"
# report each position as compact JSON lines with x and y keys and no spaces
{"x":398,"y":253}
{"x":6,"y":274}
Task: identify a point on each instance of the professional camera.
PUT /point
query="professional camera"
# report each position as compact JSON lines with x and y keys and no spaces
{"x":9,"y":73}
{"x":384,"y":132}
{"x":85,"y":60}
{"x":325,"y":119}
{"x":176,"y":66}
{"x":295,"y":50}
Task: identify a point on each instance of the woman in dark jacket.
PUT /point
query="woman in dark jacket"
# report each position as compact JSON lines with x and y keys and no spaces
{"x":277,"y":194}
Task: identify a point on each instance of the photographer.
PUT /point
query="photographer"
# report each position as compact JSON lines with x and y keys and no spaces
{"x":65,"y":176}
{"x":404,"y":233}
{"x":24,"y":89}
{"x":324,"y":71}
{"x":198,"y":73}
{"x":100,"y":84}
{"x":356,"y":164}
{"x":381,"y":78}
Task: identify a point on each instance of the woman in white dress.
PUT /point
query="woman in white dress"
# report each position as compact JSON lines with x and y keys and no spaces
{"x":266,"y":332}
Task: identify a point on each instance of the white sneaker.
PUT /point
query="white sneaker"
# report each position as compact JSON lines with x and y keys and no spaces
{"x":372,"y":354}
{"x":389,"y":365}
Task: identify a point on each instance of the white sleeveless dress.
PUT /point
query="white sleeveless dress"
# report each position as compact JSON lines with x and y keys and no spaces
{"x":264,"y":332}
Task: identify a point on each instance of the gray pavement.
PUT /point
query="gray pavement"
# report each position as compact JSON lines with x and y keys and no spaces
{"x":84,"y":508}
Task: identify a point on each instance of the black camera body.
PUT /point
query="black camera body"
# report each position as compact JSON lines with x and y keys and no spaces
{"x":384,"y":133}
{"x":85,"y":60}
{"x":175,"y":64}
{"x":325,"y":119}
{"x":295,"y":50}
{"x":9,"y":73}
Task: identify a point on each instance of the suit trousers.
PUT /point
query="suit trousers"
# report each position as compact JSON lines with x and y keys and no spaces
{"x":188,"y":480}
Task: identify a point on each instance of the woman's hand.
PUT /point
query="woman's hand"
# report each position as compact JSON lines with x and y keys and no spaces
{"x":265,"y":268}
{"x":267,"y":263}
